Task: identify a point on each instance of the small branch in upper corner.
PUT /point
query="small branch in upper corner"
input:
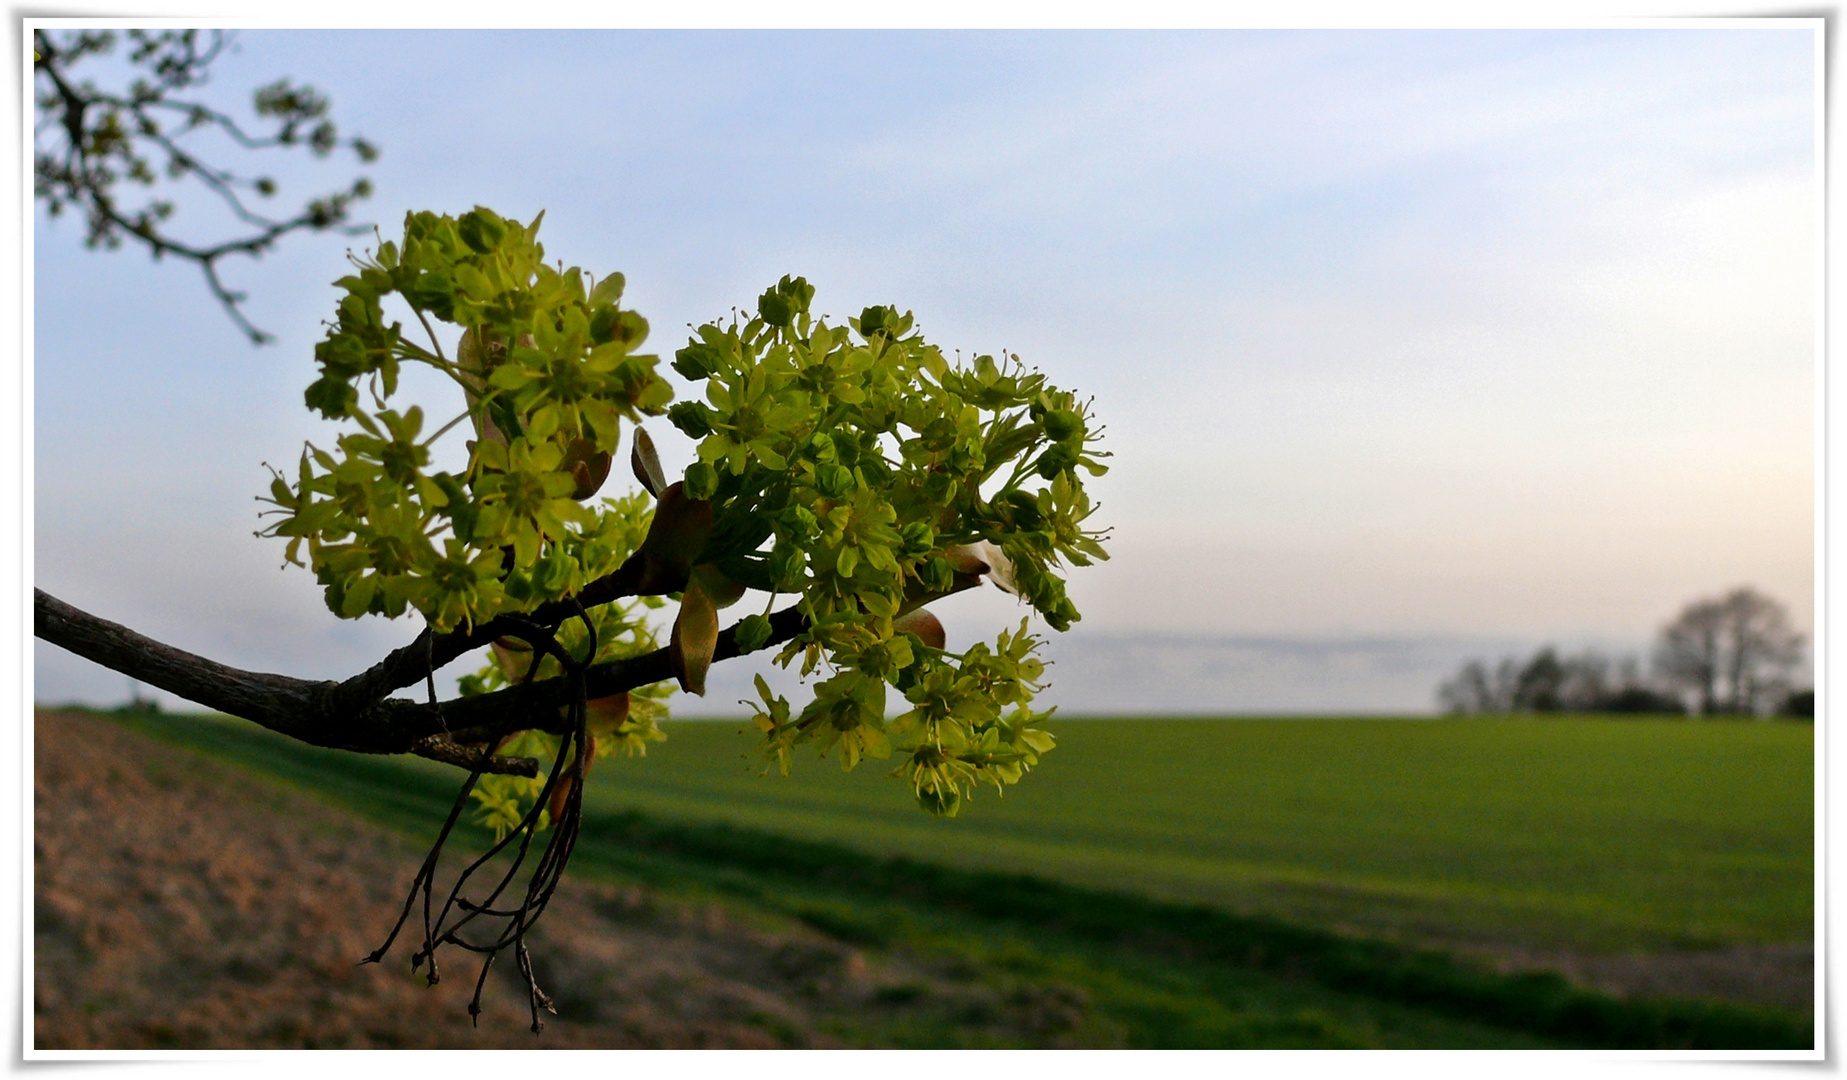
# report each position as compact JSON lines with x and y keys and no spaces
{"x":87,"y":140}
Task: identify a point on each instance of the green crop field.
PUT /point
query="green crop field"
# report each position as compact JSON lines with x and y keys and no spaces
{"x":1586,"y":833}
{"x":1219,"y":883}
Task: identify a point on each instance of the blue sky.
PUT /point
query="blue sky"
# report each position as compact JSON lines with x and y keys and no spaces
{"x":1415,"y":336}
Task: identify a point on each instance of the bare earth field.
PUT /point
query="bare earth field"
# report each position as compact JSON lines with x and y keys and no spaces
{"x":178,"y":905}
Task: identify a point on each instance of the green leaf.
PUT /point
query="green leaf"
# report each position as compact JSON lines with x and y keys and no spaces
{"x":607,"y":291}
{"x":511,"y":377}
{"x":358,"y":596}
{"x":543,"y":422}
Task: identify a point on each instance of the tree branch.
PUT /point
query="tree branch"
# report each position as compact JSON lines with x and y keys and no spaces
{"x":105,"y":136}
{"x":323,"y":713}
{"x":442,"y":748}
{"x":409,"y":664}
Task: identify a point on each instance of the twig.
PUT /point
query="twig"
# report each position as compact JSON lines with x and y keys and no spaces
{"x":438,"y":930}
{"x":87,"y":140}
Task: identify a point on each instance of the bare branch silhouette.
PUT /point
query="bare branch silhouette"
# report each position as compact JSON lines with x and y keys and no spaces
{"x":87,"y":140}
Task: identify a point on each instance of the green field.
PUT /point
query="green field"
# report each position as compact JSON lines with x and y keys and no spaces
{"x":1594,"y":834}
{"x":1221,"y":883}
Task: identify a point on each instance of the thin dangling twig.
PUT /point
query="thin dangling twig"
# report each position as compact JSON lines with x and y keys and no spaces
{"x":438,"y":928}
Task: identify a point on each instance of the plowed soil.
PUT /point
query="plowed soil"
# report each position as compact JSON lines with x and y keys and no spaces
{"x":180,"y":905}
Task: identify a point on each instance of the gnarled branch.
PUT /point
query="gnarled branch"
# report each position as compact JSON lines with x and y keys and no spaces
{"x":409,"y":664}
{"x":324,"y":713}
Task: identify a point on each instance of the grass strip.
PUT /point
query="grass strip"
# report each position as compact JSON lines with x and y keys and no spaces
{"x":1542,"y":1004}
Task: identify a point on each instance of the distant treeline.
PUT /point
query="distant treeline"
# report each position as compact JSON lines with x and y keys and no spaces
{"x":1726,"y":655}
{"x":1548,"y":682}
{"x":1588,"y":682}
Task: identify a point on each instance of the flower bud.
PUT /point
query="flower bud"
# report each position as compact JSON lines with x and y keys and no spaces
{"x":752,"y":632}
{"x":940,"y":487}
{"x":834,"y":481}
{"x":696,"y":361}
{"x":1056,"y":460}
{"x":1023,"y":509}
{"x":918,"y":537}
{"x":603,"y":324}
{"x":690,"y":417}
{"x":939,"y":574}
{"x":1061,"y":424}
{"x":481,"y":229}
{"x":800,"y":523}
{"x":701,"y":480}
{"x":775,"y":308}
{"x":788,"y":566}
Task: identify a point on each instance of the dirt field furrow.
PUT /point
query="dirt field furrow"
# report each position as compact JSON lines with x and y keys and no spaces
{"x":178,"y":905}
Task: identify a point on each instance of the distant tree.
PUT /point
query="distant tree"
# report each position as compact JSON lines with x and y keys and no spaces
{"x":1592,"y":683}
{"x":1733,"y":653}
{"x":1540,"y":683}
{"x":1687,"y":653}
{"x":1476,"y":690}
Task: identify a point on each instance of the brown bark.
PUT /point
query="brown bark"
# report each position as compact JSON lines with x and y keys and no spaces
{"x":356,"y":714}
